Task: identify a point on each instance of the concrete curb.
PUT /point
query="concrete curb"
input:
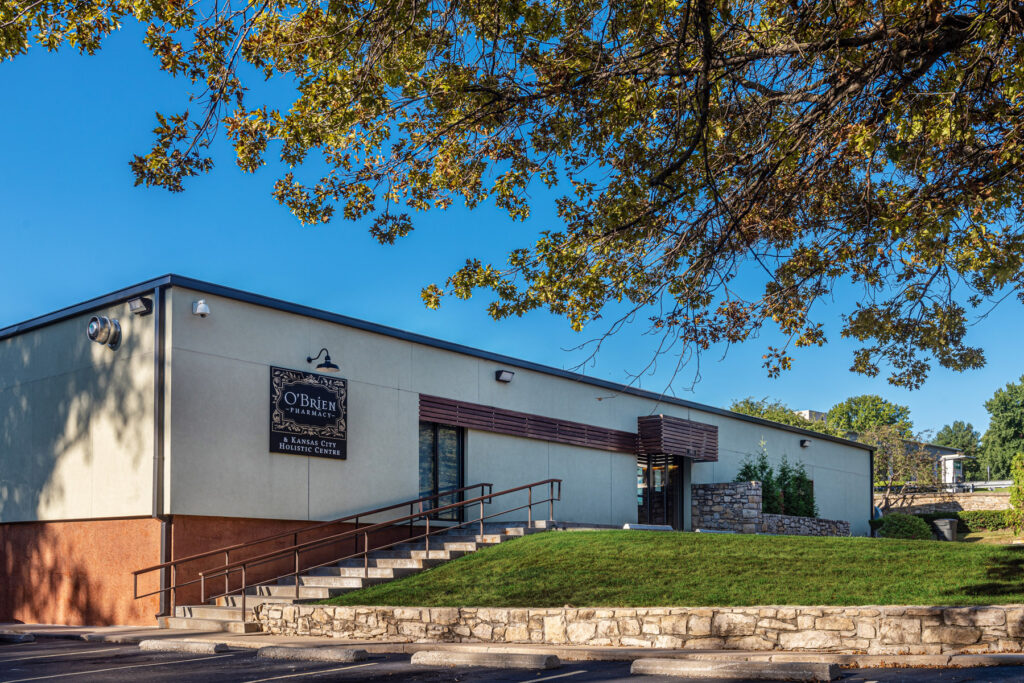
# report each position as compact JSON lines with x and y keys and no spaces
{"x":748,"y":671}
{"x":312,"y":654}
{"x":15,"y":637}
{"x":189,"y":646}
{"x":497,"y":660}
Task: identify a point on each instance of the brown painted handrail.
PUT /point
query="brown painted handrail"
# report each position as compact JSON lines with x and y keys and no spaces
{"x":226,"y":550}
{"x":383,"y":525}
{"x":320,"y":525}
{"x":297,"y":548}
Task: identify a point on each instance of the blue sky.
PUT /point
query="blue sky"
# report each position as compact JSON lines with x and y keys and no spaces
{"x":72,"y":227}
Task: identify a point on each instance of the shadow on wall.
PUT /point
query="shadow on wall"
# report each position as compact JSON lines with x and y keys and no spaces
{"x":75,"y":443}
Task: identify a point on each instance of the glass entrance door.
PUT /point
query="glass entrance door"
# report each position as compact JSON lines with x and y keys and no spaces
{"x":441,"y":465}
{"x":659,"y":494}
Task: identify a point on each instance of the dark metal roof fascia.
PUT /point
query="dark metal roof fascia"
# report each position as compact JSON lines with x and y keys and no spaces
{"x":117,"y":297}
{"x":289,"y":307}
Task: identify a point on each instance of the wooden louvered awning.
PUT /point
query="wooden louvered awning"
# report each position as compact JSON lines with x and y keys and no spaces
{"x":500,"y":421}
{"x":668,"y":435}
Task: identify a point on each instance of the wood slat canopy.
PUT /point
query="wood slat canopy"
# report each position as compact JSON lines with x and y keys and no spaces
{"x":491,"y":419}
{"x":668,"y":435}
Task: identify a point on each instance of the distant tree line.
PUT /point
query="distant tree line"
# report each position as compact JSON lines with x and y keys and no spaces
{"x":888,"y":427}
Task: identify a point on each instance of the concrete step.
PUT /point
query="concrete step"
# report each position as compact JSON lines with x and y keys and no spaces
{"x":251,"y":600}
{"x":286,"y":591}
{"x":209,"y":612}
{"x":405,"y":563}
{"x":194,"y":624}
{"x":386,"y":573}
{"x":343,"y":583}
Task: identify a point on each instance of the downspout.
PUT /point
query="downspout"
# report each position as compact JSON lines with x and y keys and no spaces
{"x":159,"y":356}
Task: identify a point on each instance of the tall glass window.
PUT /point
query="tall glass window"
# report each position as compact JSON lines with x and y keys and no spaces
{"x":441,"y":465}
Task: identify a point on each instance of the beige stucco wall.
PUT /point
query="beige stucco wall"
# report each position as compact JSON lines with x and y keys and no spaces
{"x":76,"y":427}
{"x":220,"y":464}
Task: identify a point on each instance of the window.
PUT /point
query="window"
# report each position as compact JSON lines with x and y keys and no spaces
{"x":441,"y":465}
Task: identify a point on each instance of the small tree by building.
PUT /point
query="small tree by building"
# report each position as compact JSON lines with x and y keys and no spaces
{"x":786,"y":492}
{"x":1015,"y":515}
{"x":899,"y":463}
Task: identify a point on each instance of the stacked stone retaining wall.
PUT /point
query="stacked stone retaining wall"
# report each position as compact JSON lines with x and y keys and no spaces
{"x":946,"y":502}
{"x":733,"y":506}
{"x":884,"y":630}
{"x":736,"y":506}
{"x":790,"y":525}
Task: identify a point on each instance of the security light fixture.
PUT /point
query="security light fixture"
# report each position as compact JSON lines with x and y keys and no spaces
{"x":805,"y":443}
{"x":141,"y":305}
{"x":326,"y":365}
{"x":104,"y":330}
{"x":504,"y":376}
{"x":200,"y":308}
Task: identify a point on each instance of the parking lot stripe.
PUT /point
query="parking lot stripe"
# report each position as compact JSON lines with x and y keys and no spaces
{"x":310,"y":673}
{"x":119,"y":668}
{"x":551,"y":678}
{"x":62,"y":654}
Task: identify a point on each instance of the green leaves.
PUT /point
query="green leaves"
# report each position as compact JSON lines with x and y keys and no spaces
{"x":697,"y":147}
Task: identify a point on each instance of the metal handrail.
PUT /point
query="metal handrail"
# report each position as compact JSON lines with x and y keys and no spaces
{"x":297,"y":548}
{"x":226,"y":550}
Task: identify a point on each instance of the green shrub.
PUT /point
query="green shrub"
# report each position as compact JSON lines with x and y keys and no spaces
{"x":968,"y":520}
{"x":904,"y":526}
{"x":1015,"y":515}
{"x":788,"y":492}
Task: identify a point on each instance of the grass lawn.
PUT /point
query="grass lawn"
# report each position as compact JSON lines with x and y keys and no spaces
{"x":638,"y":569}
{"x":998,"y":537}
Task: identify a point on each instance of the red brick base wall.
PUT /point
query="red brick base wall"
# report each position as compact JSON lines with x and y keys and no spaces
{"x":77,"y":572}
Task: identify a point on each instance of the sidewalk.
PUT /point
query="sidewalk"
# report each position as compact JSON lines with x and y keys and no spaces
{"x":134,"y":634}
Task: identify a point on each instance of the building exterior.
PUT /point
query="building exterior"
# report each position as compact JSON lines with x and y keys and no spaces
{"x":173,"y":439}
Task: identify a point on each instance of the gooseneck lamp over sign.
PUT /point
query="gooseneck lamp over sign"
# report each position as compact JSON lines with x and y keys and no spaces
{"x":326,"y":365}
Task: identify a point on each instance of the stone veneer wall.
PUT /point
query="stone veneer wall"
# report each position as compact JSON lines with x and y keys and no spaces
{"x":884,"y":630}
{"x":790,"y":525}
{"x":947,"y":502}
{"x":734,"y":506}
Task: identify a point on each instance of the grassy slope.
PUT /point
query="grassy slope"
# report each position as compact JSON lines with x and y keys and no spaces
{"x":635,"y":569}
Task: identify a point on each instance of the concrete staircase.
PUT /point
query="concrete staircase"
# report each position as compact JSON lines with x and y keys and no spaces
{"x":225,"y":614}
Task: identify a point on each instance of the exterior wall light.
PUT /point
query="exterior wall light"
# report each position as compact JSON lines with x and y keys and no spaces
{"x":104,"y":330}
{"x":504,"y":376}
{"x":805,"y":443}
{"x":326,"y":365}
{"x":141,"y":305}
{"x":200,"y":308}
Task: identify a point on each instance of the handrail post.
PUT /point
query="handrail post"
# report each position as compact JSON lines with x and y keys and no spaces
{"x":481,"y":518}
{"x":243,"y":593}
{"x":411,"y":513}
{"x":296,"y":573}
{"x":366,"y":554}
{"x":551,"y":500}
{"x":202,"y":588}
{"x":529,"y":507}
{"x":227,"y":583}
{"x":174,"y":587}
{"x":355,"y":539}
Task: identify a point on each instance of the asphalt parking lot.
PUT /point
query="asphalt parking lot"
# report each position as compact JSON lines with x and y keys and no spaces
{"x":56,"y":660}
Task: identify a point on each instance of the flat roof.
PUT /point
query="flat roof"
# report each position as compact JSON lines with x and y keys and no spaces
{"x":172,"y":280}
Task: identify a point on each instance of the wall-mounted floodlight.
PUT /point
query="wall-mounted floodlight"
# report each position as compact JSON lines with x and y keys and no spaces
{"x":805,"y":443}
{"x":200,"y":308}
{"x":326,"y":365}
{"x":141,"y":305}
{"x":504,"y":376}
{"x":104,"y":330}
